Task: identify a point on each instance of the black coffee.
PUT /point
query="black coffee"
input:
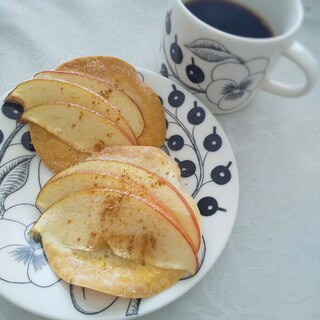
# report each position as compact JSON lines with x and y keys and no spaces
{"x":230,"y":17}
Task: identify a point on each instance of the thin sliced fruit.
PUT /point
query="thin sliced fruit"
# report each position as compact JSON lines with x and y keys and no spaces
{"x":55,"y":190}
{"x":125,"y":76}
{"x":151,"y":158}
{"x":117,"y":97}
{"x":84,"y":129}
{"x":92,"y":217}
{"x":44,"y":91}
{"x":154,"y":160}
{"x":186,"y":214}
{"x":103,"y":271}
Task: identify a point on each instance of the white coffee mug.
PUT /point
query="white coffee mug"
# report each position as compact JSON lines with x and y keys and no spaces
{"x":226,"y":71}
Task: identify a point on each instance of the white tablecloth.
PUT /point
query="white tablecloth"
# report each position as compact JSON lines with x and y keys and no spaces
{"x":270,"y":268}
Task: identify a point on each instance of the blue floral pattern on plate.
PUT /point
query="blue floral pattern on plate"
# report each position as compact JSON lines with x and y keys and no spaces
{"x":194,"y":140}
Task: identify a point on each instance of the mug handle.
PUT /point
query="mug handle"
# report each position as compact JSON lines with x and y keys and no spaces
{"x":308,"y":64}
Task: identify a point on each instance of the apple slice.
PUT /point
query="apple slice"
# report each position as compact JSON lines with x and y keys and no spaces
{"x":154,"y":160}
{"x":151,"y":158}
{"x":101,"y":215}
{"x":44,"y":91}
{"x":121,"y":73}
{"x":179,"y":203}
{"x":66,"y":185}
{"x":80,"y":127}
{"x":57,"y":189}
{"x":127,"y":107}
{"x":103,"y":271}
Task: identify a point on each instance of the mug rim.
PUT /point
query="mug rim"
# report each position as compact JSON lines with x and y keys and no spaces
{"x":285,"y":35}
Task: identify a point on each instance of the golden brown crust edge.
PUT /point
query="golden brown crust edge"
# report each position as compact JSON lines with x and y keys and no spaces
{"x":56,"y":154}
{"x":113,"y":276}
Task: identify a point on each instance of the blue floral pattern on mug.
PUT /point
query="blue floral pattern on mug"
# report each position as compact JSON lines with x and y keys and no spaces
{"x":222,"y":77}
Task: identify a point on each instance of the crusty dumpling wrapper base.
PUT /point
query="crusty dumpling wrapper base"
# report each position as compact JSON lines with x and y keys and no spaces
{"x":56,"y":154}
{"x":115,"y":275}
{"x":124,"y":75}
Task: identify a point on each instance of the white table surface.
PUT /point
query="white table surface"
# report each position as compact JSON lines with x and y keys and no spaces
{"x":270,"y":269}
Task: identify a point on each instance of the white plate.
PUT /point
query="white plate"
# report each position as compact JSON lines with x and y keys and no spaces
{"x":194,"y":139}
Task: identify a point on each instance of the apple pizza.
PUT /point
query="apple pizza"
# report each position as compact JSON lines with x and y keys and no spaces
{"x":120,"y":223}
{"x":85,"y":105}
